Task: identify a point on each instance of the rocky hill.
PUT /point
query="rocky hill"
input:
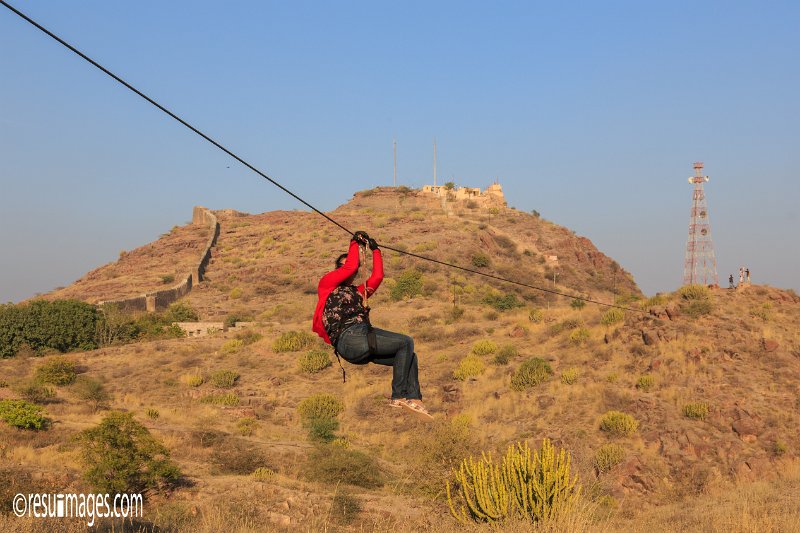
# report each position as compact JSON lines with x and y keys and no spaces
{"x":708,"y":377}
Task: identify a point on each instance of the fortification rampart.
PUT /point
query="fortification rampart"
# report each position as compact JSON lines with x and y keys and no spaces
{"x":153,"y":301}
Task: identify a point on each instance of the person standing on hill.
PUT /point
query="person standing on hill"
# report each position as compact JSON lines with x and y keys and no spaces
{"x":342,"y":320}
{"x":730,"y":281}
{"x":747,"y":275}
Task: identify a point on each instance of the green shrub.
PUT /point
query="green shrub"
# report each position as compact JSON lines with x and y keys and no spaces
{"x":469,"y":367}
{"x":505,"y":354}
{"x":570,"y":376}
{"x":645,"y":383}
{"x":237,"y":457}
{"x":577,"y":304}
{"x":335,"y":464}
{"x":63,"y":325}
{"x":121,"y":456}
{"x":246,"y":426}
{"x":480,"y":260}
{"x":236,"y":293}
{"x":193,"y":380}
{"x":231,"y":320}
{"x":536,"y":315}
{"x":223,"y":379}
{"x":22,"y":414}
{"x":231,"y":346}
{"x":658,"y":299}
{"x":56,"y":371}
{"x":314,"y":361}
{"x":502,"y":302}
{"x":698,"y":308}
{"x":763,"y":312}
{"x":262,"y":473}
{"x":228,"y":398}
{"x":453,"y":314}
{"x":779,"y":448}
{"x":613,"y":377}
{"x":618,"y":424}
{"x":696,"y":410}
{"x":249,"y":337}
{"x":321,"y":429}
{"x":167,"y":278}
{"x":180,"y":312}
{"x":152,"y":414}
{"x":579,"y":336}
{"x":532,"y":372}
{"x":612,"y":316}
{"x":91,"y":391}
{"x":34,"y":391}
{"x":484,"y":347}
{"x":694,"y":292}
{"x":536,"y":487}
{"x":408,"y":285}
{"x":608,"y":456}
{"x":320,"y":406}
{"x":293,"y":341}
{"x":565,"y":325}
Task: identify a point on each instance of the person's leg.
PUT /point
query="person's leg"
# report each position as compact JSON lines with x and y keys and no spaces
{"x":397,"y":350}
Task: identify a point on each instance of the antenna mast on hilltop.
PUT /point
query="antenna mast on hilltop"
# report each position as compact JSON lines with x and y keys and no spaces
{"x":394,"y":180}
{"x":434,"y":161}
{"x":700,"y":266}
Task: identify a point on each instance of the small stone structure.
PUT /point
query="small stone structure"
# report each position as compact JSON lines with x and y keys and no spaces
{"x":200,"y":329}
{"x":152,"y":301}
{"x":493,"y":195}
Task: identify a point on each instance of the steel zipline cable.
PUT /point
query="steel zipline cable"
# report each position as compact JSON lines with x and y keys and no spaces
{"x":281,"y":187}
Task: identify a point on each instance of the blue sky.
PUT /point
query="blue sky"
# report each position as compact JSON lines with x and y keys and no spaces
{"x":590,"y":112}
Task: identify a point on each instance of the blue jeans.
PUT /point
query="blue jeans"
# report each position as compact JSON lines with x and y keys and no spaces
{"x":394,"y":349}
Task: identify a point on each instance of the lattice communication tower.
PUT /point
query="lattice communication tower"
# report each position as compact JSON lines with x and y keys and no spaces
{"x":700,"y":266}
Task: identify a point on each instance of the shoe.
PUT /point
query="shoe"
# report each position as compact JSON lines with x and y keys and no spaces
{"x":417,"y":406}
{"x":397,"y":402}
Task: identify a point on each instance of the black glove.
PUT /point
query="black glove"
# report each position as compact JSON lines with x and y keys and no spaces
{"x":373,"y":245}
{"x":361,"y":238}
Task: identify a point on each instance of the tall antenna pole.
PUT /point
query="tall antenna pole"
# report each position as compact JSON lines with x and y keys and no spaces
{"x":394,"y":180}
{"x":434,"y":161}
{"x":700,"y":264}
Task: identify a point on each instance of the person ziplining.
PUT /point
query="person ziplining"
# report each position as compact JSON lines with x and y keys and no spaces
{"x":341,"y":318}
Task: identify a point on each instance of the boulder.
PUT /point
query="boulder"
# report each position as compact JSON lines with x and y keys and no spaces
{"x":769,"y":345}
{"x":649,"y":338}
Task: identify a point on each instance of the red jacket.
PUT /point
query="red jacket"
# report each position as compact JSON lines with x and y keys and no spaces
{"x":333,"y":279}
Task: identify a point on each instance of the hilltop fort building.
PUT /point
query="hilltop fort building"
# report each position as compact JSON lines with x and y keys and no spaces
{"x":492,"y":196}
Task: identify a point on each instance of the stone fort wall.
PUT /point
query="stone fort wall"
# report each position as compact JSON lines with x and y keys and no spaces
{"x":153,"y":301}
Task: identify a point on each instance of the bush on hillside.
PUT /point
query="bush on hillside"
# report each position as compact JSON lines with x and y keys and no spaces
{"x":469,"y":367}
{"x":612,"y":316}
{"x":334,"y":464}
{"x":34,"y":391}
{"x":618,"y":424}
{"x":121,"y":455}
{"x":408,"y":285}
{"x":694,"y":292}
{"x":480,"y":260}
{"x":63,"y":325}
{"x":92,"y":391}
{"x":484,"y":347}
{"x":23,"y":415}
{"x":537,"y":487}
{"x":223,"y":379}
{"x":579,"y":336}
{"x":293,"y":341}
{"x":570,"y":376}
{"x":505,"y":354}
{"x":696,"y":410}
{"x":645,"y":383}
{"x":320,"y":406}
{"x":502,"y":302}
{"x":56,"y":371}
{"x":314,"y":361}
{"x":608,"y":456}
{"x":180,"y":312}
{"x":532,"y":372}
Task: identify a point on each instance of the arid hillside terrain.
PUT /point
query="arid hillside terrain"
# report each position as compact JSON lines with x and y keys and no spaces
{"x":679,"y":413}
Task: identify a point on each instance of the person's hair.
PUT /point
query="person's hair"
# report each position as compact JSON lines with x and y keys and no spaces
{"x":340,"y":260}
